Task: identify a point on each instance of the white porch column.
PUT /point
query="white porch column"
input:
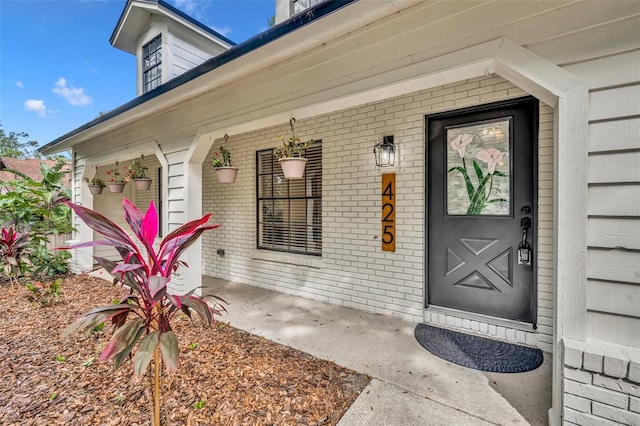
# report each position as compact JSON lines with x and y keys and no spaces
{"x":82,"y":258}
{"x":569,"y":98}
{"x":570,"y":176}
{"x":193,"y":205}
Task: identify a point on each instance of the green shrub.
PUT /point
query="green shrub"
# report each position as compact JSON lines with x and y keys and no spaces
{"x":44,"y":293}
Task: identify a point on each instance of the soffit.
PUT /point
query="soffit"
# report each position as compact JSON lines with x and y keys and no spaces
{"x":131,"y":25}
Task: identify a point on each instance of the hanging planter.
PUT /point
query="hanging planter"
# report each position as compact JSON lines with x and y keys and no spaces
{"x":116,"y":183}
{"x":95,"y":189}
{"x":95,"y":184}
{"x":116,"y":186}
{"x":291,"y":154}
{"x":142,"y":184}
{"x":138,"y":173}
{"x":221,"y":163}
{"x":293,"y":168}
{"x":226,"y":174}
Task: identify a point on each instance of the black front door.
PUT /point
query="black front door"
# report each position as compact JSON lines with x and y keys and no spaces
{"x":482,"y":209}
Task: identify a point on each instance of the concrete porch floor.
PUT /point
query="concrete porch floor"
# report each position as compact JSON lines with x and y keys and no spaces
{"x":409,"y":385}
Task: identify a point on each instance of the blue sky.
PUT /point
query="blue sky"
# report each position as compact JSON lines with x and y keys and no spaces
{"x":58,"y":70}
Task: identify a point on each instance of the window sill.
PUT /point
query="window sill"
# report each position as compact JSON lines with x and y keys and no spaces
{"x":287,"y":258}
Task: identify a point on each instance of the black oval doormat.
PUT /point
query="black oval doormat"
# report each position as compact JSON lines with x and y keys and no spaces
{"x":478,"y":352}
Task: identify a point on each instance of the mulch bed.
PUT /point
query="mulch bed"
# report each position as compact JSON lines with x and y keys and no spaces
{"x":225,"y":377}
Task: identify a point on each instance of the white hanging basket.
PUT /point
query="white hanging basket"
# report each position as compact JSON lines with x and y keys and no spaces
{"x":226,"y":174}
{"x":143,"y":184}
{"x":116,"y":186}
{"x":293,"y":168}
{"x":95,"y":189}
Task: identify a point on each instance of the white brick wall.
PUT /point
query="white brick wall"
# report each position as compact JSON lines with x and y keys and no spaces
{"x":505,"y":332}
{"x":353,"y":271}
{"x":600,"y":384}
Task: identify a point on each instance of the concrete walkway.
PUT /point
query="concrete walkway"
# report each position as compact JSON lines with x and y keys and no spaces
{"x":409,"y":385}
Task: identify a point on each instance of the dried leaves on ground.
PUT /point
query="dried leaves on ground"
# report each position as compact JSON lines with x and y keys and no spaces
{"x":225,"y":377}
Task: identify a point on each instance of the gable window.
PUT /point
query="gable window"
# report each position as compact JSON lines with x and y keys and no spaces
{"x":152,"y":64}
{"x":290,"y":210}
{"x":300,"y":5}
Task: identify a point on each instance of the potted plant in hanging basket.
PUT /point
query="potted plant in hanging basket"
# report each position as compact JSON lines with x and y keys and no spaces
{"x":96,"y":185}
{"x":115,"y":183}
{"x":291,"y":154}
{"x":138,"y":172}
{"x":222,"y":165}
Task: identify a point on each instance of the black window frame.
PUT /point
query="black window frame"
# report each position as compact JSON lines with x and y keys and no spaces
{"x":299,"y":6}
{"x":152,"y":47}
{"x":313,"y":245}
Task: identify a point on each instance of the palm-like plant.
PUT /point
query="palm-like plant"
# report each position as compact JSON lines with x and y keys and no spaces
{"x":141,"y":320}
{"x":13,"y":248}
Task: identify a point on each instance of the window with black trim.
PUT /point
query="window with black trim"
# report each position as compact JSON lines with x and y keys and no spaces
{"x":152,"y":64}
{"x":289,"y":216}
{"x":302,"y":5}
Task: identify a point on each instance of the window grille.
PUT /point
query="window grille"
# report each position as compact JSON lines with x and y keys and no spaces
{"x":152,"y":64}
{"x":301,"y":5}
{"x":289,"y":216}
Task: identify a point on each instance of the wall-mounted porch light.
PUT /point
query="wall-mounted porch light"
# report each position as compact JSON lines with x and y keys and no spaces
{"x":385,"y":152}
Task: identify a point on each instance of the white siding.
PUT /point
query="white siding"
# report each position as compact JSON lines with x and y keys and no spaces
{"x":175,"y":207}
{"x":188,"y":50}
{"x":185,"y":57}
{"x":76,"y":180}
{"x":613,"y":286}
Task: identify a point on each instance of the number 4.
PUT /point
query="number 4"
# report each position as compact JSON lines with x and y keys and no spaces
{"x":388,"y":191}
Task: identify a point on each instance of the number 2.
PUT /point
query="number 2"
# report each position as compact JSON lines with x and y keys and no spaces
{"x":386,"y":218}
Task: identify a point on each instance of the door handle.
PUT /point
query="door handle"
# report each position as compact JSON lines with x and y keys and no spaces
{"x":524,"y":250}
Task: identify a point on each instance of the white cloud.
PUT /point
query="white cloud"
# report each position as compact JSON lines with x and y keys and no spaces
{"x":36,"y":105}
{"x":19,"y":84}
{"x":73,"y":95}
{"x":225,"y":31}
{"x":187,"y":6}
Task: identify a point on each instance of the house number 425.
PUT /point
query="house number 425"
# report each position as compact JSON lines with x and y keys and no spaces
{"x":389,"y":212}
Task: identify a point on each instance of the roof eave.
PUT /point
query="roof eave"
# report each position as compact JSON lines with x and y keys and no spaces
{"x":163,"y":8}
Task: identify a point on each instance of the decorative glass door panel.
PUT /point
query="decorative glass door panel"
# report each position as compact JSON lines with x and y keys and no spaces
{"x":479,"y":169}
{"x":481,"y":209}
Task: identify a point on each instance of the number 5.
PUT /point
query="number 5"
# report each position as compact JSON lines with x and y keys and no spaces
{"x":387,"y":236}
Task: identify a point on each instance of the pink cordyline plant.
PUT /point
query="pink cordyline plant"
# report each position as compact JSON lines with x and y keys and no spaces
{"x":13,"y":247}
{"x":141,"y":320}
